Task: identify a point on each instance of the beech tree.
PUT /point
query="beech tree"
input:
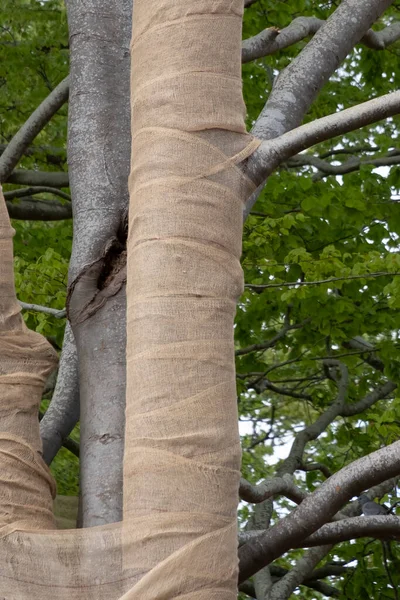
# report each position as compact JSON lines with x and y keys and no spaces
{"x":316,"y":329}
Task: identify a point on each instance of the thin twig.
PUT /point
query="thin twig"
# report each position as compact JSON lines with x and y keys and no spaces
{"x":54,"y":312}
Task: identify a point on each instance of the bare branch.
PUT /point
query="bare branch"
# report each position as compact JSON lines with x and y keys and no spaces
{"x":298,"y":85}
{"x":304,"y":568}
{"x":29,"y":130}
{"x":325,"y":168}
{"x":54,"y":312}
{"x":313,"y":431}
{"x":380,"y":527}
{"x":272,"y":40}
{"x":270,"y":343}
{"x":370,"y":399}
{"x":319,"y":507}
{"x":72,"y":446}
{"x":63,"y":412}
{"x":33,"y":191}
{"x":39,"y":178}
{"x":266,"y":384}
{"x":260,"y":288}
{"x":316,"y":467}
{"x":278,"y":572}
{"x":271,"y":487}
{"x":358,"y":343}
{"x":53,"y":155}
{"x":28,"y":208}
{"x":272,"y":153}
{"x":301,"y":572}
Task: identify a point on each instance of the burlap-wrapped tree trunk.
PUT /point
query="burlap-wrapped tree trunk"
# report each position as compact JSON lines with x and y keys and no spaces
{"x":182,"y":451}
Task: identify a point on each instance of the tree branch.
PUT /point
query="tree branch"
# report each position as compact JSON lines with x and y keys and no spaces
{"x":272,"y":40}
{"x":316,"y":467}
{"x":271,"y":487}
{"x":266,"y":384}
{"x":325,"y":168}
{"x":319,"y":507}
{"x":272,"y":153}
{"x":270,"y":343}
{"x":358,"y":343}
{"x":298,"y":85}
{"x":368,"y":400}
{"x":32,"y":191}
{"x":63,"y":412}
{"x":39,"y":178}
{"x":380,"y":527}
{"x":302,"y":571}
{"x":54,"y":312}
{"x":260,"y":288}
{"x":30,"y":129}
{"x":51,"y":154}
{"x":313,"y":431}
{"x":28,"y":208}
{"x":279,"y":572}
{"x":305,"y":567}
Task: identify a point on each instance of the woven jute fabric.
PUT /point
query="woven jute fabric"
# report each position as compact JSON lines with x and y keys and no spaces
{"x":182,"y":452}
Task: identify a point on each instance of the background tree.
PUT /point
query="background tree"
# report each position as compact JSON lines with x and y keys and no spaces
{"x":319,"y":318}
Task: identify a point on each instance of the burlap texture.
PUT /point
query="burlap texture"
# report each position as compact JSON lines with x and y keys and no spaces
{"x":182,"y":451}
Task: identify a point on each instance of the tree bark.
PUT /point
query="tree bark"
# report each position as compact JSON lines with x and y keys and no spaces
{"x":98,"y":157}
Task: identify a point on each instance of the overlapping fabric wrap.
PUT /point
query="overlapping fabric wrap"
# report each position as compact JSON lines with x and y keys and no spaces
{"x":182,"y":451}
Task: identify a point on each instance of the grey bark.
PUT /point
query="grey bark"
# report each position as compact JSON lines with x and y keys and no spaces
{"x":29,"y":130}
{"x":298,"y":85}
{"x":63,"y":412}
{"x":272,"y":40}
{"x":30,"y":209}
{"x":272,"y":153}
{"x":318,"y":508}
{"x":32,"y":191}
{"x":39,"y":178}
{"x":98,"y":157}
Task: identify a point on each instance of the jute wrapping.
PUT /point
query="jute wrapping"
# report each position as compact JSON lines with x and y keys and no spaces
{"x":182,"y":452}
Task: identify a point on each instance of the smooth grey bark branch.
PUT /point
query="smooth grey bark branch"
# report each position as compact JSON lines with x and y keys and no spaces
{"x":276,"y":572}
{"x":261,"y":288}
{"x":98,"y":157}
{"x":30,"y":129}
{"x":269,"y":488}
{"x":379,"y":393}
{"x":51,"y":154}
{"x":359,"y":343}
{"x":300,"y":572}
{"x":298,"y":85}
{"x":312,"y":432}
{"x":272,"y":40}
{"x":380,"y":527}
{"x":319,"y":507}
{"x":325,"y":168}
{"x":272,"y":153}
{"x":54,"y":312}
{"x":295,"y":461}
{"x":33,"y":191}
{"x":39,"y":178}
{"x":30,"y":209}
{"x":63,"y":412}
{"x":270,"y":343}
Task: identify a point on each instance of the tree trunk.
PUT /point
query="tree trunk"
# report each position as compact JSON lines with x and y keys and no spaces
{"x":182,"y":450}
{"x":98,"y":157}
